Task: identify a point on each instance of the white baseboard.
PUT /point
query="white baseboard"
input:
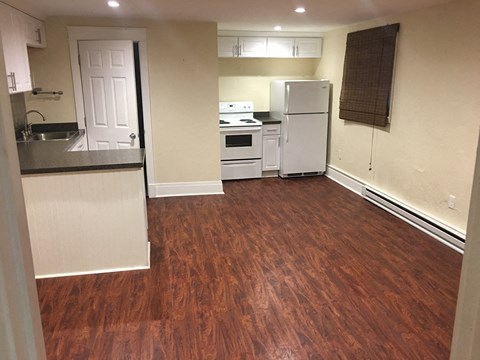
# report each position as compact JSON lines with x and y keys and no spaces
{"x":186,"y":189}
{"x":99,"y":271}
{"x":345,"y":180}
{"x":93,"y":272}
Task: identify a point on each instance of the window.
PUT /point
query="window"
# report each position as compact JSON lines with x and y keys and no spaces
{"x":367,"y":75}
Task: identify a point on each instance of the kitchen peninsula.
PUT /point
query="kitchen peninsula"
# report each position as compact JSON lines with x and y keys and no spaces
{"x":86,"y":210}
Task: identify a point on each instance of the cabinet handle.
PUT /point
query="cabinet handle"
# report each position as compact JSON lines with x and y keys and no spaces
{"x":10,"y":84}
{"x":296,"y":47}
{"x":39,"y":36}
{"x":13,"y":85}
{"x":234,"y":50}
{"x":239,"y":50}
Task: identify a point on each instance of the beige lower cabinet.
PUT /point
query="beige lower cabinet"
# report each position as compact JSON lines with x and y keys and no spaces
{"x":87,"y":222}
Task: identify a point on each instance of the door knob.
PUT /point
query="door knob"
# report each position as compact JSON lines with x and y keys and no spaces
{"x":133,"y":136}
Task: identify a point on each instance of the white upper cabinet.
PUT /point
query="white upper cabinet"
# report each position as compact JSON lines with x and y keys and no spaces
{"x":34,"y":31}
{"x":14,"y":50}
{"x":19,"y":30}
{"x":270,"y":47}
{"x":308,"y":47}
{"x":252,"y":46}
{"x":232,"y":46}
{"x":281,"y":47}
{"x":227,"y":46}
{"x":294,"y":47}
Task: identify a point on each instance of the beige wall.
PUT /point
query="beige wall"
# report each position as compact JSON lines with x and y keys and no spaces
{"x":183,"y":74}
{"x":428,"y":151}
{"x":21,"y":334}
{"x":249,"y":79}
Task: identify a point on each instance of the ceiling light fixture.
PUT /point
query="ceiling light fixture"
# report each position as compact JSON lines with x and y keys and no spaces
{"x":300,"y":10}
{"x":113,"y":3}
{"x":277,"y":28}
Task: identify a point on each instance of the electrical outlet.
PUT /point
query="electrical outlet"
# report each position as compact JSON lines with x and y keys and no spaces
{"x":451,"y":201}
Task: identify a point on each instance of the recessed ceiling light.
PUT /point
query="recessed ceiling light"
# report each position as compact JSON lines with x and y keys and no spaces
{"x":277,"y":28}
{"x":300,"y":10}
{"x":113,"y":3}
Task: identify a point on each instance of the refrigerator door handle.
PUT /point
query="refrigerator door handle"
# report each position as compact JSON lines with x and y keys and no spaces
{"x":286,"y":130}
{"x":287,"y":98}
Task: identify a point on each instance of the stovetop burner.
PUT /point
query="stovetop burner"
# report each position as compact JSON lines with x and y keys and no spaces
{"x":237,"y":114}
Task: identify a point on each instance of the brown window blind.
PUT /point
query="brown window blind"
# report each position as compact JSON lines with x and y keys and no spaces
{"x":367,"y":75}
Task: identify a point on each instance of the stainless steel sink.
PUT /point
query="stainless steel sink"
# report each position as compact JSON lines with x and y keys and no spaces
{"x":53,"y":135}
{"x":56,"y":135}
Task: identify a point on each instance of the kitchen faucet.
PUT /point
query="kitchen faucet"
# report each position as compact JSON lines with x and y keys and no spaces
{"x":28,"y":127}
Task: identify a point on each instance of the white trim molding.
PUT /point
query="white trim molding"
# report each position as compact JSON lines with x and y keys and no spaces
{"x":93,"y":272}
{"x":345,"y":180}
{"x":186,"y":189}
{"x":277,"y":34}
{"x":100,"y":271}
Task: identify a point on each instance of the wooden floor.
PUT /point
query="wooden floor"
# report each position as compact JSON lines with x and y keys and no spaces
{"x":273,"y":269}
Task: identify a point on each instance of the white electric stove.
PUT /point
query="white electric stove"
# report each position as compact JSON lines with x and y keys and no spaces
{"x":241,"y":141}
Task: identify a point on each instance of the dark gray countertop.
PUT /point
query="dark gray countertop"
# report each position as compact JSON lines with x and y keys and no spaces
{"x":264,"y":117}
{"x":267,"y":121}
{"x":40,"y":157}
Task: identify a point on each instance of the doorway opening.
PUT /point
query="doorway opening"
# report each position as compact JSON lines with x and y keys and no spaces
{"x":138,"y":84}
{"x":141,"y":91}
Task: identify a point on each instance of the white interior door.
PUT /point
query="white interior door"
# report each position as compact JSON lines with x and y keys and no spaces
{"x":109,"y":93}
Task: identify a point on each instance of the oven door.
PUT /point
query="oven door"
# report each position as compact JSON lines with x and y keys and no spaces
{"x":241,"y":143}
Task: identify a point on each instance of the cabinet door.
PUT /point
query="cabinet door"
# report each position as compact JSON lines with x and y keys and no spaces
{"x":252,"y":46}
{"x":308,"y":47}
{"x":271,"y":153}
{"x":15,"y":51}
{"x":227,"y":46}
{"x":280,"y":47}
{"x":34,"y":31}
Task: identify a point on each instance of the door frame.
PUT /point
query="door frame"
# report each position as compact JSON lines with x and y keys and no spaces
{"x":78,"y":33}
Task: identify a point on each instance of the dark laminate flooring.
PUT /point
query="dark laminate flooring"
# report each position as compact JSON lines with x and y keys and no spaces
{"x":274,"y":269}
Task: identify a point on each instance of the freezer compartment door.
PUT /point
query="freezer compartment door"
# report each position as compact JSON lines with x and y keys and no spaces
{"x":305,"y":97}
{"x":304,"y":144}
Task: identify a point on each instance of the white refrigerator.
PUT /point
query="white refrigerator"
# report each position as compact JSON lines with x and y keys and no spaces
{"x":302,"y":106}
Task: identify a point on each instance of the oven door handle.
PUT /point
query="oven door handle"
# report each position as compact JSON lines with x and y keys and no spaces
{"x":244,"y":129}
{"x":237,"y":163}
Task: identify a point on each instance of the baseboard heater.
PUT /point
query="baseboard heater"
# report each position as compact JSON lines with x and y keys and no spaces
{"x":441,"y":232}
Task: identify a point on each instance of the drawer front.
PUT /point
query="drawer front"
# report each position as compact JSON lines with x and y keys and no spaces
{"x":241,"y":169}
{"x":271,"y":129}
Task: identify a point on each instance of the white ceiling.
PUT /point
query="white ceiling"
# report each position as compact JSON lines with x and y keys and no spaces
{"x":258,"y":15}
